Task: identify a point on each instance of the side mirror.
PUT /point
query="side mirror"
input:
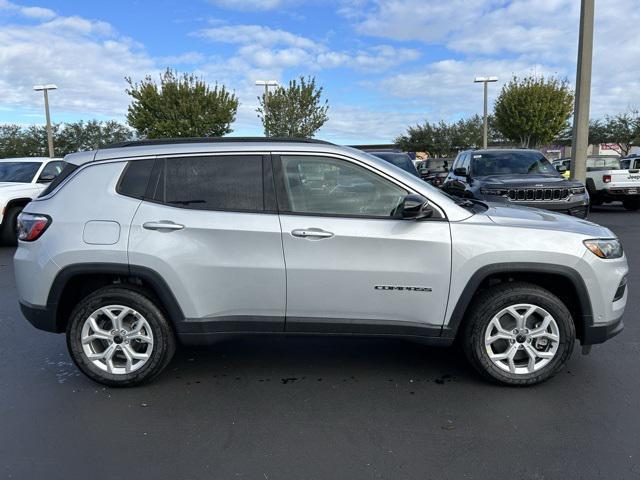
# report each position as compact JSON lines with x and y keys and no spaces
{"x":415,"y":207}
{"x":46,"y":178}
{"x":460,"y":172}
{"x":561,"y":168}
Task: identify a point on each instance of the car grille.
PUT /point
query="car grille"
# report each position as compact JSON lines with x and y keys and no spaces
{"x":537,"y":194}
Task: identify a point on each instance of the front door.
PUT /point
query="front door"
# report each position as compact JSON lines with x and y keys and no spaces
{"x":352,"y":266}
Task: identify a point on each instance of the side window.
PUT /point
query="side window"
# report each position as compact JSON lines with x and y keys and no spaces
{"x":231,"y":183}
{"x":135,"y":178}
{"x":322,"y":185}
{"x":50,"y":171}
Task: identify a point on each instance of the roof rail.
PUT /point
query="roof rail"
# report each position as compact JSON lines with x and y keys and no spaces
{"x":169,"y":141}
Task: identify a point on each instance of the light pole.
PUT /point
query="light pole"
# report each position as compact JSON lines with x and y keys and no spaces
{"x":485,"y":80}
{"x":266,"y":84}
{"x":580,"y":142}
{"x":45,"y":89}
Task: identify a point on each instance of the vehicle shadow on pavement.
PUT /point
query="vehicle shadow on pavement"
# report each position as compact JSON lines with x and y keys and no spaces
{"x":289,"y":360}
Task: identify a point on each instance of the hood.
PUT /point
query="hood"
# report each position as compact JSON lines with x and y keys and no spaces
{"x":516,"y":180}
{"x":8,"y":188}
{"x":517,"y":216}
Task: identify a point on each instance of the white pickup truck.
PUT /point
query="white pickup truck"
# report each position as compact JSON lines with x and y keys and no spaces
{"x":21,"y":180}
{"x":608,"y":182}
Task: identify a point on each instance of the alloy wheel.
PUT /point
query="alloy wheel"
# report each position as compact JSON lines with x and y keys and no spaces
{"x":117,"y":339}
{"x":522,"y":339}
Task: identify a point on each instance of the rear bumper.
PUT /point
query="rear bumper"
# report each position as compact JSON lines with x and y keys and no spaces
{"x":599,"y":333}
{"x":43,"y":318}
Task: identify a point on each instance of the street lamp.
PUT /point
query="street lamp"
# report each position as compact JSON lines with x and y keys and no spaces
{"x":45,"y":89}
{"x":266,"y":84}
{"x":485,"y":80}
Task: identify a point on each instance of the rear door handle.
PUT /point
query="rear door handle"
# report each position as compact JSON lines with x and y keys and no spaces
{"x":162,"y":225}
{"x":311,"y":233}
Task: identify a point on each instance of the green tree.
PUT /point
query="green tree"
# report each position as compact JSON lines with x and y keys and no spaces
{"x":443,"y":139}
{"x":622,"y":129}
{"x":17,"y":141}
{"x":533,"y":111}
{"x":180,"y":106}
{"x":90,"y":135}
{"x":295,"y":111}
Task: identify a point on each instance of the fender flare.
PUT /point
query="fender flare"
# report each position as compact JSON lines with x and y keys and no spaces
{"x":149,"y":276}
{"x":450,"y":329}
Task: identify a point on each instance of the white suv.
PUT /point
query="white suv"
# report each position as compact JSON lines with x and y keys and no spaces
{"x":138,"y":246}
{"x":21,"y":180}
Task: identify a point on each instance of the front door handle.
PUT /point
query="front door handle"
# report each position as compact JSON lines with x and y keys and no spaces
{"x":162,"y":225}
{"x":311,"y":233}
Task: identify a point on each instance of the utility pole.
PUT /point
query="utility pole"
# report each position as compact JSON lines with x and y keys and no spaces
{"x":580,"y":142}
{"x":485,"y":80}
{"x":45,"y":89}
{"x":267,"y":84}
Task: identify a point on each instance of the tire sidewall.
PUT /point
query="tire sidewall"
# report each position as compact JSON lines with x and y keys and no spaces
{"x":536,"y":297}
{"x":163,"y":345}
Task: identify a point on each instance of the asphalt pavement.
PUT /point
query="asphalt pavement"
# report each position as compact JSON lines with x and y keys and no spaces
{"x":320,"y":408}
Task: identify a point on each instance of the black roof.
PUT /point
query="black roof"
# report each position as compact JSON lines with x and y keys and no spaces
{"x":169,"y":141}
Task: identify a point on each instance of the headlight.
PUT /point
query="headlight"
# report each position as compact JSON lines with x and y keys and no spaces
{"x":605,"y":247}
{"x":578,"y":190}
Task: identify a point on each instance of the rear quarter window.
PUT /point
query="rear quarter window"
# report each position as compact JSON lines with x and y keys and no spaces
{"x":135,"y":178}
{"x":68,"y":169}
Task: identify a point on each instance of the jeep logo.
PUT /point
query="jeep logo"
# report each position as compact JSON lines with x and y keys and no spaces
{"x":634,"y":177}
{"x":402,"y":288}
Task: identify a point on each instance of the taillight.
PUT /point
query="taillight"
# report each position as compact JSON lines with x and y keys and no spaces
{"x":31,"y":226}
{"x":606,"y":178}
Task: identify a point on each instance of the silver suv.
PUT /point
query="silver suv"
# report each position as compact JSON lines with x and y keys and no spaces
{"x":135,"y":247}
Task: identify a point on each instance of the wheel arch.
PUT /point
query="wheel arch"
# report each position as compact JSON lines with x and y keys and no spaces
{"x":564,"y":282}
{"x":75,"y":282}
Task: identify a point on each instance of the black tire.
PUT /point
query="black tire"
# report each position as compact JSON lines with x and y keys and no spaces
{"x":164,"y":344}
{"x":631,"y":204}
{"x":9,"y":230}
{"x":489,"y":303}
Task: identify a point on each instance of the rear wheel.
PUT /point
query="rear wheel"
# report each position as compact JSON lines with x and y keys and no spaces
{"x":518,"y":334}
{"x":631,"y":204}
{"x":118,"y":337}
{"x":9,"y":230}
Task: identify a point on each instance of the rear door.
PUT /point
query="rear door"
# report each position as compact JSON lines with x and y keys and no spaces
{"x":351,"y":265}
{"x":208,"y":226}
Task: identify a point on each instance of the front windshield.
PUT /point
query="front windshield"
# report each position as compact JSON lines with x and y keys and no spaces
{"x":603,"y":163}
{"x":18,"y":172}
{"x":510,"y":163}
{"x":401,"y":160}
{"x":437,"y":165}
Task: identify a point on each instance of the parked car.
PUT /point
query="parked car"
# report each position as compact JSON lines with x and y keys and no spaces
{"x":22,"y":179}
{"x":399,"y":159}
{"x":435,"y":170}
{"x":608,"y":182}
{"x":147,"y":243}
{"x":516,"y":177}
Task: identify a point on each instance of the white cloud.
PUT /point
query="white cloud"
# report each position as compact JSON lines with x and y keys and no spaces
{"x":86,"y":59}
{"x":249,"y":5}
{"x":276,"y":49}
{"x":38,"y":13}
{"x":255,"y":34}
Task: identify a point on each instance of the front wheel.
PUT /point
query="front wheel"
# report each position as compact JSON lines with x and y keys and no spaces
{"x":518,"y":334}
{"x":118,"y":337}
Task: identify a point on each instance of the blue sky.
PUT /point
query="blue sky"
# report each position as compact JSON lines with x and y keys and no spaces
{"x":384,"y":64}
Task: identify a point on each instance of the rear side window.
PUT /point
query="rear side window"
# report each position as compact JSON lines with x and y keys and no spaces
{"x":68,"y":169}
{"x":135,"y":178}
{"x":232,"y":183}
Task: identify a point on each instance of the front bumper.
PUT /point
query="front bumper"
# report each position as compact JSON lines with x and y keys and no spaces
{"x":43,"y":318}
{"x":594,"y":334}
